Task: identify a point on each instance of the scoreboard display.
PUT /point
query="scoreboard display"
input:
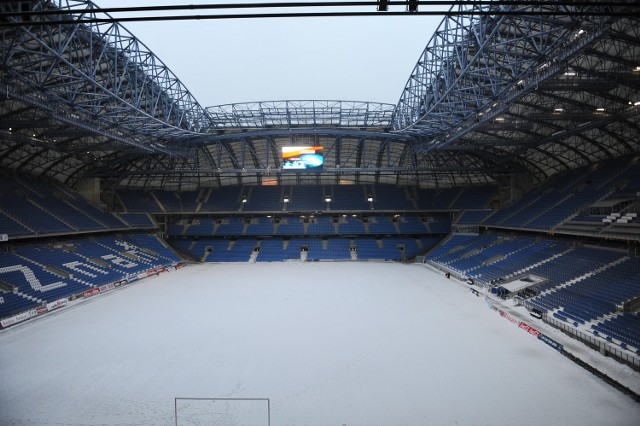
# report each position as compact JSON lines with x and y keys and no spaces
{"x":307,"y":158}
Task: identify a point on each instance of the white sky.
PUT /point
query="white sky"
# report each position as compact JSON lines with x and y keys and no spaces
{"x":244,"y":60}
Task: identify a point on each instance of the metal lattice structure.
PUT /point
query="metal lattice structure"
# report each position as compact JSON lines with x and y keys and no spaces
{"x":501,"y":89}
{"x":74,"y":94}
{"x":543,"y":93}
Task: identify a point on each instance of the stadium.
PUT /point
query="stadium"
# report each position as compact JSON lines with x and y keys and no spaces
{"x":468,"y":255}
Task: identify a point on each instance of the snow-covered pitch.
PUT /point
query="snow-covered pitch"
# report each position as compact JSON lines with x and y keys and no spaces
{"x":327,"y":343}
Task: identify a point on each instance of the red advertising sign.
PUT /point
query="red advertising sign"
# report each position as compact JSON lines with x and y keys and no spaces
{"x":507,"y":316}
{"x":91,"y":292}
{"x":526,"y":327}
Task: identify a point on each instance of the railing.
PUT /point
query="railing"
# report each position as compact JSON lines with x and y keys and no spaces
{"x":595,"y":343}
{"x":301,"y":113}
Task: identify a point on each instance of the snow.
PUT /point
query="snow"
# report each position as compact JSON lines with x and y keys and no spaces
{"x":360,"y":343}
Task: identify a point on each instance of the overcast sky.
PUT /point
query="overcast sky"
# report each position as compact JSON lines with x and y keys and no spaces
{"x":244,"y":60}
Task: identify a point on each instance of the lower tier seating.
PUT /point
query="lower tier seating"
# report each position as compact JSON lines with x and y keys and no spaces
{"x":38,"y":273}
{"x":583,"y":285}
{"x":310,"y":249}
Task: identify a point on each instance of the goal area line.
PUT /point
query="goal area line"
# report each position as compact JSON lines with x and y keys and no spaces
{"x":240,"y":401}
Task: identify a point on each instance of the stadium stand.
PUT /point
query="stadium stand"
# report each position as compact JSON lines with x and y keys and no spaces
{"x":582,"y":285}
{"x":259,"y":226}
{"x":563,"y":201}
{"x":391,"y":198}
{"x":36,"y":273}
{"x":539,"y":168}
{"x":290,"y":225}
{"x":34,"y":208}
{"x":228,"y":227}
{"x":225,"y":199}
{"x":472,"y":217}
{"x":321,"y":225}
{"x":138,"y":201}
{"x":381,"y":225}
{"x":138,"y":220}
{"x":228,"y":250}
{"x":267,"y":198}
{"x":623,"y":327}
{"x":305,"y":198}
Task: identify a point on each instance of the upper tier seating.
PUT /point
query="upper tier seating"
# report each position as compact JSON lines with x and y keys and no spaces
{"x":169,"y":201}
{"x":313,"y":225}
{"x":227,"y":198}
{"x":267,"y":198}
{"x":564,"y":197}
{"x":391,"y":198}
{"x":30,"y":207}
{"x":472,"y":217}
{"x":138,"y":220}
{"x":349,"y":198}
{"x":135,"y":200}
{"x":306,"y":198}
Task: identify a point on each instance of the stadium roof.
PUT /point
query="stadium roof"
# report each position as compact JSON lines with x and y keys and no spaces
{"x":532,"y":88}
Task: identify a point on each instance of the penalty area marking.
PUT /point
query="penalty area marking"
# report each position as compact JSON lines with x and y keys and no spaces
{"x":213,"y":400}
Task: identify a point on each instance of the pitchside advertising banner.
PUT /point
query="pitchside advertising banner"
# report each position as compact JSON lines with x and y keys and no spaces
{"x":19,"y":318}
{"x":549,"y":341}
{"x":526,"y":327}
{"x":33,"y":313}
{"x":91,"y":292}
{"x":87,"y":293}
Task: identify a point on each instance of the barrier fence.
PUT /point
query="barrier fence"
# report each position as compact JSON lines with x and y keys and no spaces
{"x":592,"y":341}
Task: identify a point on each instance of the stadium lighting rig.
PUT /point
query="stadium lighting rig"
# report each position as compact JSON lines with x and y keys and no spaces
{"x":17,"y":15}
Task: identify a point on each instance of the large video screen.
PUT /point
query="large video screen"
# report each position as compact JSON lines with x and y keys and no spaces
{"x":302,"y":158}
